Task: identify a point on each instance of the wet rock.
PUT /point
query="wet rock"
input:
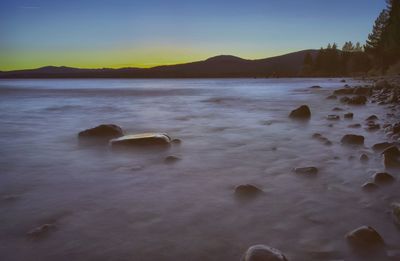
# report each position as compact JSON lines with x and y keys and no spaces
{"x":372,"y":126}
{"x":357,"y":100}
{"x":372,"y":118}
{"x":317,"y":136}
{"x":303,"y":112}
{"x":381,"y":84}
{"x":142,"y":140}
{"x":247,"y":191}
{"x":352,"y":139}
{"x":365,"y":238}
{"x":362,"y":91}
{"x":343,"y":80}
{"x":396,"y":128}
{"x":348,"y":115}
{"x":344,"y":91}
{"x":383,"y":178}
{"x":391,"y":157}
{"x":354,"y":126}
{"x":369,"y":187}
{"x":100,"y":134}
{"x":315,"y":87}
{"x":263,"y":253}
{"x":331,"y":97}
{"x":337,"y":109}
{"x":306,"y":171}
{"x":379,"y":147}
{"x":396,"y":213}
{"x":364,"y":157}
{"x":171,"y":159}
{"x":333,"y":117}
{"x":41,"y":231}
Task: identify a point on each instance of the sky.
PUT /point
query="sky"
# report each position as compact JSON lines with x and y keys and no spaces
{"x":133,"y":33}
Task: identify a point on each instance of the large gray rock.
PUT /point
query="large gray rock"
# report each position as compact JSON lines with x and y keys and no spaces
{"x":365,"y":238}
{"x":352,"y":139}
{"x":303,"y":112}
{"x":141,"y":140}
{"x":102,"y":133}
{"x":263,"y":253}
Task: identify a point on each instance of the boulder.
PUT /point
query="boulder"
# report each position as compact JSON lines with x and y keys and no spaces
{"x":369,"y":187}
{"x":247,"y":191}
{"x":142,"y":140}
{"x":352,"y":139}
{"x":357,"y":100}
{"x":391,"y":157}
{"x":102,"y":133}
{"x":303,"y":112}
{"x":348,"y":115}
{"x":306,"y":171}
{"x":383,"y":178}
{"x":379,"y":147}
{"x":263,"y":253}
{"x":365,"y":238}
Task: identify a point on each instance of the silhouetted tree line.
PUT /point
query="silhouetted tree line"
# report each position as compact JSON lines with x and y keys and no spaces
{"x":381,"y":50}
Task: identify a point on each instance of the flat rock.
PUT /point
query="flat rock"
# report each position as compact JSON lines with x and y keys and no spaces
{"x":379,"y":147}
{"x":352,"y":139}
{"x":247,"y":191}
{"x":142,"y":140}
{"x":303,"y":112}
{"x":383,"y":178}
{"x":263,"y":253}
{"x":307,"y":171}
{"x":365,"y":238}
{"x":333,"y":117}
{"x":101,"y":133}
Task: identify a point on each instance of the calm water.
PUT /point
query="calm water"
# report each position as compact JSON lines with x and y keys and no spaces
{"x":133,"y":206}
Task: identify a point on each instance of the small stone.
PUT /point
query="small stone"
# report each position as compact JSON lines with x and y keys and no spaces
{"x":383,"y":178}
{"x":315,"y":87}
{"x":263,"y":253}
{"x":333,"y":117}
{"x":354,"y":126}
{"x":352,"y":139}
{"x":364,"y":157}
{"x":371,"y":118}
{"x":337,"y":109}
{"x":365,"y":238}
{"x":307,"y":171}
{"x":303,"y":112}
{"x":369,"y":187}
{"x":247,"y":191}
{"x":349,"y":115}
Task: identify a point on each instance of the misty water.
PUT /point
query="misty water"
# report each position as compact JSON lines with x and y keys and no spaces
{"x":109,"y":205}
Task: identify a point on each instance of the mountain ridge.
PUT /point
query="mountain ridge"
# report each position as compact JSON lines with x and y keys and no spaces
{"x":220,"y":66}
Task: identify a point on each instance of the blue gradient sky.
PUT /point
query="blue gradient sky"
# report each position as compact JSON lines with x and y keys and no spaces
{"x":120,"y":33}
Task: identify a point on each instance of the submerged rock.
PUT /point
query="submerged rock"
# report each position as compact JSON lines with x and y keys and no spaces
{"x":354,"y":126}
{"x":171,"y":159}
{"x":337,"y":109}
{"x":333,"y":117}
{"x":307,"y":171}
{"x":364,"y":157}
{"x":369,"y":187}
{"x":247,"y":191}
{"x":303,"y":112}
{"x":41,"y":231}
{"x":142,"y":140}
{"x":352,"y":139}
{"x":365,"y":238}
{"x":396,"y":213}
{"x":383,"y":178}
{"x":263,"y":253}
{"x":102,"y":133}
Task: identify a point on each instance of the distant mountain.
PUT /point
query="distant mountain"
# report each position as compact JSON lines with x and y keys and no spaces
{"x":222,"y":66}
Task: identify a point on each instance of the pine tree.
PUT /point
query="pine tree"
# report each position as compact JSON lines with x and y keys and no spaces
{"x":373,"y":43}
